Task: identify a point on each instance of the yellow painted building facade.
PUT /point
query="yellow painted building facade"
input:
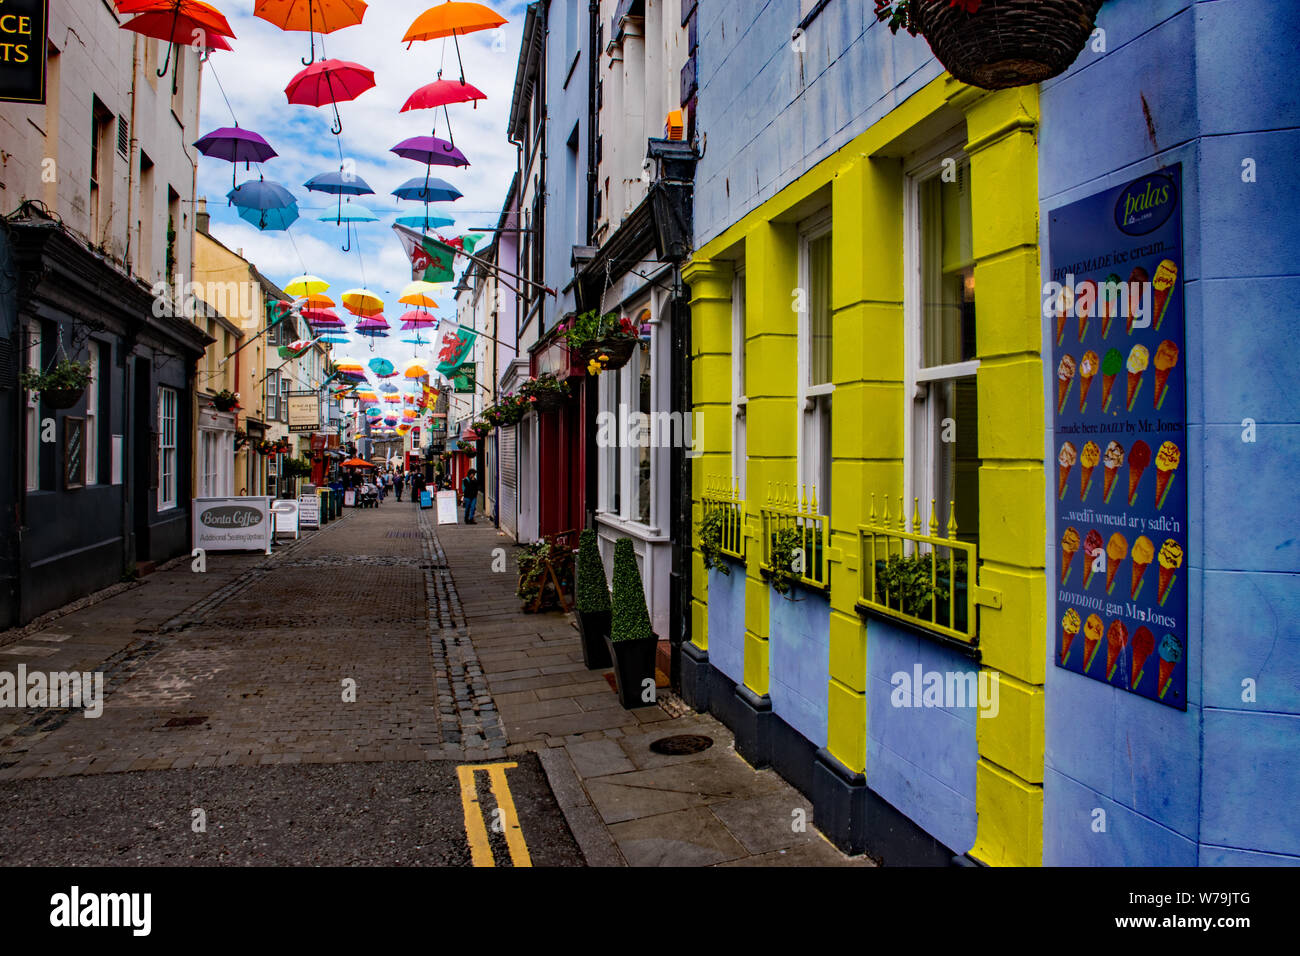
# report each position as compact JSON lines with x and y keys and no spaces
{"x":754,"y":278}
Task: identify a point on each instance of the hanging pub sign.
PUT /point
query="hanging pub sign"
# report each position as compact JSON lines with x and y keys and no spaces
{"x":23,"y":26}
{"x":463,"y":379}
{"x":1115,"y":311}
{"x":304,"y":412}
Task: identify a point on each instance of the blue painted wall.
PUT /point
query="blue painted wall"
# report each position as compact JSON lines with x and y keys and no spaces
{"x":727,"y":622}
{"x":1214,"y":785}
{"x":920,"y":759}
{"x":772,"y":112}
{"x":800,"y":660}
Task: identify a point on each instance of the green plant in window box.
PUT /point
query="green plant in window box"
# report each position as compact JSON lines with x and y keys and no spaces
{"x":786,"y":545}
{"x":910,"y":586}
{"x":60,"y":386}
{"x":712,"y":529}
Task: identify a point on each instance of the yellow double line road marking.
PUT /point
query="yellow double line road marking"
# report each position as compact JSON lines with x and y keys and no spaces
{"x":476,"y":824}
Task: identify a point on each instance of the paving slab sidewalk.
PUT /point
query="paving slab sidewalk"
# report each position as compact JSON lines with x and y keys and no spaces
{"x":625,"y":804}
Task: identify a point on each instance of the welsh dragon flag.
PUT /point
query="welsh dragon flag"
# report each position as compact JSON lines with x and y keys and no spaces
{"x":433,"y":258}
{"x":456,"y":349}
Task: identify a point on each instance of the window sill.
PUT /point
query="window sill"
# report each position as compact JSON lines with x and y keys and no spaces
{"x":823,"y":589}
{"x":971,"y":650}
{"x":637,"y":530}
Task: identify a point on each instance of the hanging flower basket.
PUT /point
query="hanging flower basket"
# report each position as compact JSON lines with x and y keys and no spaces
{"x":998,"y":44}
{"x":61,"y":397}
{"x":613,"y":353}
{"x":61,"y":386}
{"x":545,"y":393}
{"x":226,"y":400}
{"x":602,"y":342}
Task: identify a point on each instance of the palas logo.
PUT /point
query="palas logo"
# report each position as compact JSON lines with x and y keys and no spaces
{"x":1146,"y":204}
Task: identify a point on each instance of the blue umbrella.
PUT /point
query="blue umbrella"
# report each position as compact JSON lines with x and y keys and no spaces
{"x":425,"y":223}
{"x":334,"y":339}
{"x":372,"y":333}
{"x":349,"y":213}
{"x":426,"y":190}
{"x":382,"y":367}
{"x":271,"y":220}
{"x":259,"y":194}
{"x":339,"y":183}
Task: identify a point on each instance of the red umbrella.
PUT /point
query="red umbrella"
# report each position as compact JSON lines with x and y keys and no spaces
{"x":442,"y":92}
{"x":330,"y":81}
{"x":178,"y":22}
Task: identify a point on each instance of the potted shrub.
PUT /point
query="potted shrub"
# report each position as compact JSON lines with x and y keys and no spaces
{"x":546,"y":392}
{"x":61,"y":386}
{"x":602,"y":342}
{"x":632,"y":643}
{"x":225,"y":400}
{"x":592,"y":604}
{"x":996,"y":44}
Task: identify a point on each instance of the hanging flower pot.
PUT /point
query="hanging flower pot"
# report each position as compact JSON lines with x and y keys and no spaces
{"x":613,"y":353}
{"x":60,"y":387}
{"x":226,"y":400}
{"x":545,"y":393}
{"x":998,"y":44}
{"x":61,"y":397}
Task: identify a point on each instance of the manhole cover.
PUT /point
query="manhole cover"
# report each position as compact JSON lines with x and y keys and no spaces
{"x":185,"y":721}
{"x":681,"y":744}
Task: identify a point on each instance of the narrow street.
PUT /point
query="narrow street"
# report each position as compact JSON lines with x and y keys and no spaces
{"x":320,"y":707}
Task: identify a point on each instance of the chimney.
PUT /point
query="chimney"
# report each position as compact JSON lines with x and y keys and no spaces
{"x":201,"y":217}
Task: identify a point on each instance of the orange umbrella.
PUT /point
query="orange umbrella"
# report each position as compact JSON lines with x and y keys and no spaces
{"x":451,"y":19}
{"x":357,"y":463}
{"x":311,"y":16}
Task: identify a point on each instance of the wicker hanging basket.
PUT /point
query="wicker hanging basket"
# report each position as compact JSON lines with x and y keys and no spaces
{"x":61,"y":398}
{"x":619,"y":351}
{"x":1006,"y":43}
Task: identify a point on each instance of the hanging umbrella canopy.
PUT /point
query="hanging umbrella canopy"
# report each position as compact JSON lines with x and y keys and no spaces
{"x":178,"y":21}
{"x":311,"y":16}
{"x":271,"y":220}
{"x":382,"y":367}
{"x":316,"y":300}
{"x":335,"y":339}
{"x":306,"y":285}
{"x":424,"y":189}
{"x":349,"y":212}
{"x":259,"y":194}
{"x":235,"y":145}
{"x":332,"y":82}
{"x":416,"y":319}
{"x":452,"y":18}
{"x":372,"y":333}
{"x":425,"y":223}
{"x":362,"y":302}
{"x":339,"y":183}
{"x":372,"y":322}
{"x":420,"y":295}
{"x":431,"y":151}
{"x":443,"y":93}
{"x":414,"y":369}
{"x":357,"y":463}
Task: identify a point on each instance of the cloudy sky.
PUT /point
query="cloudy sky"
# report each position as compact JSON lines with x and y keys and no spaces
{"x":254,"y":76}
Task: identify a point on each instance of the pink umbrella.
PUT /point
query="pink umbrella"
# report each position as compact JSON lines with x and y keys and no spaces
{"x":330,"y":81}
{"x":443,"y":92}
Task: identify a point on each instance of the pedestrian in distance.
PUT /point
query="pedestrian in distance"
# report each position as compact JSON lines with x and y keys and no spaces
{"x":469,"y":494}
{"x":398,"y":485}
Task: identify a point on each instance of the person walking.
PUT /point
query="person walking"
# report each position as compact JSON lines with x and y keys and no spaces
{"x":417,"y":486}
{"x":469,"y":494}
{"x":398,"y":485}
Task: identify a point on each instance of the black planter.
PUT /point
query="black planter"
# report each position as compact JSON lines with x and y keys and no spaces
{"x":61,"y":397}
{"x":634,"y":663}
{"x":594,"y":628}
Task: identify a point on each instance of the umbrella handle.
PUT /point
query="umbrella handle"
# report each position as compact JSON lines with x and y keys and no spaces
{"x":348,"y":247}
{"x":311,"y":32}
{"x":337,"y":128}
{"x":167,"y":62}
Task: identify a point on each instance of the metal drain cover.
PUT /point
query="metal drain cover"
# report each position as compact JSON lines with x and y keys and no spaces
{"x":681,"y":744}
{"x":185,"y":721}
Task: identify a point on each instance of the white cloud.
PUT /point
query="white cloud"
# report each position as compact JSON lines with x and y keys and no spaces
{"x":254,"y":75}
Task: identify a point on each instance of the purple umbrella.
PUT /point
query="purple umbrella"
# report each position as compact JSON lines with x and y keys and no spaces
{"x":235,"y":145}
{"x":431,"y":151}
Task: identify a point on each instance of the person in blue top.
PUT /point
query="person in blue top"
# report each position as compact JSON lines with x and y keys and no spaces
{"x":469,"y":494}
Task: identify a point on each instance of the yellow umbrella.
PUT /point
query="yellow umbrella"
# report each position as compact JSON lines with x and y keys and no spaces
{"x":419,"y":295}
{"x":415,"y":369}
{"x":317,"y":301}
{"x":362,"y":302}
{"x":306,"y":285}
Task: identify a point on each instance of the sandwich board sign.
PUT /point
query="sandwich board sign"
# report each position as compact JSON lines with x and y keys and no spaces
{"x":447,"y":513}
{"x":309,"y":511}
{"x":232,"y":524}
{"x":286,"y":517}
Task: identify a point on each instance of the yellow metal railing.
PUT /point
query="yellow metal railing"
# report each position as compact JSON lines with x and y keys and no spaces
{"x":918,"y":577}
{"x":790,"y":520}
{"x":723,"y":495}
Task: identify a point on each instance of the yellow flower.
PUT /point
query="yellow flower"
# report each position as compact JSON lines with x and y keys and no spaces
{"x":594,"y":367}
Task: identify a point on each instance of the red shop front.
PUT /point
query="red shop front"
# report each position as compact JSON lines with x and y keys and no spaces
{"x":562,"y":442}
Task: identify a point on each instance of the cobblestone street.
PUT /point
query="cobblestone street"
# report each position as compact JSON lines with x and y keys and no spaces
{"x":211,"y":678}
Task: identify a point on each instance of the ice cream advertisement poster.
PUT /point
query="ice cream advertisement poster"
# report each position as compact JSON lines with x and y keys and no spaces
{"x":1118,"y":466}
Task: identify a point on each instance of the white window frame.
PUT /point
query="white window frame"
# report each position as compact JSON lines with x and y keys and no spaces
{"x":739,"y":384}
{"x":168,"y":458}
{"x":284,"y":399}
{"x":812,"y":402}
{"x":272,"y":399}
{"x":918,"y":469}
{"x":623,"y":387}
{"x":33,"y":411}
{"x":92,"y":417}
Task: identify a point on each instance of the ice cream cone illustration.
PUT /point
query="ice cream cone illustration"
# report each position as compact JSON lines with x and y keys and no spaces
{"x":1165,"y":360}
{"x":1065,"y":461}
{"x":1116,"y":551}
{"x":1108,"y":307}
{"x":1137,"y":364}
{"x":1162,"y":287}
{"x":1116,"y":641}
{"x":1088,"y":366}
{"x":1092,"y":547}
{"x":1064,"y":378}
{"x":1064,"y":306}
{"x":1143,"y":553}
{"x":1110,"y":367}
{"x":1069,"y":628}
{"x":1091,"y":638}
{"x":1171,"y":559}
{"x":1085,"y":303}
{"x":1069,"y":547}
{"x":1088,"y":459}
{"x":1144,"y":642}
{"x":1167,"y":459}
{"x":1114,"y":458}
{"x":1139,"y":456}
{"x":1171,"y":652}
{"x":1137,"y":279}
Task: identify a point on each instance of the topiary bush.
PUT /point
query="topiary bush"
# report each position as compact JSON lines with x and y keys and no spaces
{"x":631,"y":620}
{"x":593,"y":591}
